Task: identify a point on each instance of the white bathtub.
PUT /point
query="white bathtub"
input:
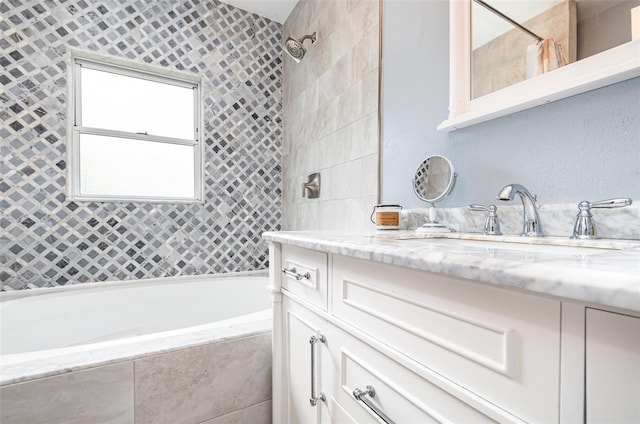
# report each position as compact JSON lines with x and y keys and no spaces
{"x":45,"y":332}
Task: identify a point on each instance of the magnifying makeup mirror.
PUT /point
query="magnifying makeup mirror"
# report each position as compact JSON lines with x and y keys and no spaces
{"x":433,"y":181}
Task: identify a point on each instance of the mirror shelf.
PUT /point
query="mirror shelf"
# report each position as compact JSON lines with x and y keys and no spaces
{"x":614,"y":65}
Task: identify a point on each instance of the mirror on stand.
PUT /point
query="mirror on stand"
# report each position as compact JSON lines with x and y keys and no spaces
{"x":433,"y":181}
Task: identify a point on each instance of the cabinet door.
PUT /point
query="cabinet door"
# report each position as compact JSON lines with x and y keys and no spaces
{"x":300,"y":325}
{"x":612,"y":367}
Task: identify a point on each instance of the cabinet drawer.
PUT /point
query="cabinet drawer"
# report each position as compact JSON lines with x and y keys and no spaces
{"x":401,"y":394}
{"x":306,"y":274}
{"x":501,"y":345}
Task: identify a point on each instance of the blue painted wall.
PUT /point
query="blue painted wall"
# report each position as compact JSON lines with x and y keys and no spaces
{"x":583,"y":147}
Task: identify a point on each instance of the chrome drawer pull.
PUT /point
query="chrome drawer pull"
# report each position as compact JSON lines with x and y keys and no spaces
{"x":360,"y":395}
{"x":293,"y":273}
{"x":313,"y":400}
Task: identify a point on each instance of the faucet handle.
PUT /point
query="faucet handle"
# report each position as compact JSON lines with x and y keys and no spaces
{"x":479,"y":208}
{"x":585,"y":228}
{"x":491,"y":224}
{"x":609,"y":203}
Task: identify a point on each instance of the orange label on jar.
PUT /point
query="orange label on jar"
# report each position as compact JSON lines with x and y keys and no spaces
{"x":387,"y":218}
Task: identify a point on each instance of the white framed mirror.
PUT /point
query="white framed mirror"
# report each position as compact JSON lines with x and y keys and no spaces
{"x":616,"y":64}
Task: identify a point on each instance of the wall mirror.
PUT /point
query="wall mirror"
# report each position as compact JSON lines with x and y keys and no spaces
{"x":510,"y":55}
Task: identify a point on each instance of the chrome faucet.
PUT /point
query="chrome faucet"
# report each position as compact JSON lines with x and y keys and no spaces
{"x":532,"y":227}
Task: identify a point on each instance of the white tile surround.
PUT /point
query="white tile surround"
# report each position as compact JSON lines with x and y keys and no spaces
{"x":330,"y":115}
{"x":214,"y":388}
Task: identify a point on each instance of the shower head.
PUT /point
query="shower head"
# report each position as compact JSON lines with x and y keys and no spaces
{"x":294,"y":47}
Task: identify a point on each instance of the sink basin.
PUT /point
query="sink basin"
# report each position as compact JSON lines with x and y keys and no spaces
{"x":548,"y":245}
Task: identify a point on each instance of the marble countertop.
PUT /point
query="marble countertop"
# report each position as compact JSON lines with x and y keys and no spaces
{"x":603,"y":272}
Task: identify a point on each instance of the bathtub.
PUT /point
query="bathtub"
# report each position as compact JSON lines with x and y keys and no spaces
{"x":146,"y":337}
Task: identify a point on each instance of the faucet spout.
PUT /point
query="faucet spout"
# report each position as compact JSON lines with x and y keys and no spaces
{"x":531,"y":225}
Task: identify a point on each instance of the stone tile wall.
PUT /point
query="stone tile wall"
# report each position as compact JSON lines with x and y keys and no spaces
{"x":330,"y":114}
{"x":47,"y":240}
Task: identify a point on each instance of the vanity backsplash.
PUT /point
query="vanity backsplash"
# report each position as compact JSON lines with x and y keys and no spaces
{"x":556,"y":219}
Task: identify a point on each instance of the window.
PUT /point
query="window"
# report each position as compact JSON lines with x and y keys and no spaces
{"x":135,"y":132}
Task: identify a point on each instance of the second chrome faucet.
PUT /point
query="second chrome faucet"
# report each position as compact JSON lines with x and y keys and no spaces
{"x":531,"y":225}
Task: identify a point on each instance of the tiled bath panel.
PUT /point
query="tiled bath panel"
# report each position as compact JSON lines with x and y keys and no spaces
{"x":220,"y":378}
{"x":227,"y":382}
{"x":98,"y":395}
{"x":256,"y":414}
{"x":47,"y":240}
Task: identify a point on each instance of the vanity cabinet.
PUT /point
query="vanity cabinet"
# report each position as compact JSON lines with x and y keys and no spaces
{"x":420,"y":347}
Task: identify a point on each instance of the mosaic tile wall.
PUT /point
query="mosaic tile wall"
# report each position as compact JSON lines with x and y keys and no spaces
{"x":47,"y":240}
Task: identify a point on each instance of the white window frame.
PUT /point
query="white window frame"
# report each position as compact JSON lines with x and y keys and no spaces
{"x":119,"y":66}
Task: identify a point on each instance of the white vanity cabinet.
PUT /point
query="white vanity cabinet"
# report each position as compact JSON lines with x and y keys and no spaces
{"x":439,"y":349}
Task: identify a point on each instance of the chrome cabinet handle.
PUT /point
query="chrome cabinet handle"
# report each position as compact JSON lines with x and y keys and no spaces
{"x":293,"y":273}
{"x":313,"y":400}
{"x":361,"y":396}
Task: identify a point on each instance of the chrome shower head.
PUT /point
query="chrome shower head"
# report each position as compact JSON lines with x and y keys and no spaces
{"x":294,"y":47}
